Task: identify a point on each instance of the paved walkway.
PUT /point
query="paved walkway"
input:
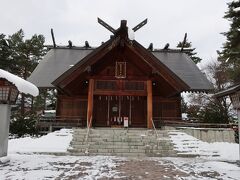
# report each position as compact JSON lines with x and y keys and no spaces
{"x":148,"y":170}
{"x":33,"y":167}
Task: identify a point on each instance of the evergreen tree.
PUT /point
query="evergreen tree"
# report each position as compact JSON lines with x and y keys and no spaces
{"x":25,"y":55}
{"x":192,"y":54}
{"x":20,"y":56}
{"x":6,"y":62}
{"x":230,"y":55}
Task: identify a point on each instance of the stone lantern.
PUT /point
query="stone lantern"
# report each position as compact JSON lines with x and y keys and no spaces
{"x":8,"y":92}
{"x":8,"y":96}
{"x":10,"y":86}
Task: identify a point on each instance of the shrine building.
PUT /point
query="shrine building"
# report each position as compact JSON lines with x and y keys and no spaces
{"x":119,"y":80}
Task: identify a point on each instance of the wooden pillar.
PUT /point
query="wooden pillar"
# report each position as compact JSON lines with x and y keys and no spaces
{"x":149,"y":104}
{"x":90,"y":101}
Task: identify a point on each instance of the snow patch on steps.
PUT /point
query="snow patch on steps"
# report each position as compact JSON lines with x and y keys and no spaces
{"x":185,"y":144}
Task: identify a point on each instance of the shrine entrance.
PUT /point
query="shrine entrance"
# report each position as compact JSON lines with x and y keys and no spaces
{"x":111,"y":111}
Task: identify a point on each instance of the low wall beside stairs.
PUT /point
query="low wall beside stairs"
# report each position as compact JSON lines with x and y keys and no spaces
{"x":209,"y":134}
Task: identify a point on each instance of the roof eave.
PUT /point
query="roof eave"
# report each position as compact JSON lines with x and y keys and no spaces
{"x":227,"y":92}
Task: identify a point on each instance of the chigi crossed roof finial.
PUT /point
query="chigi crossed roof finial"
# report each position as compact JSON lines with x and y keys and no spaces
{"x":111,"y":29}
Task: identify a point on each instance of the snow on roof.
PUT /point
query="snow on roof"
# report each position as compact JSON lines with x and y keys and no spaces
{"x":22,"y":85}
{"x":131,"y":34}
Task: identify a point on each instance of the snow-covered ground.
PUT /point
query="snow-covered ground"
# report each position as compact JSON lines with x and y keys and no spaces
{"x":198,"y":168}
{"x":57,"y":141}
{"x":38,"y":167}
{"x":216,"y":161}
{"x":186,"y":144}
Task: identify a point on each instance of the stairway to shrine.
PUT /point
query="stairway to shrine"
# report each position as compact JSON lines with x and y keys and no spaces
{"x":121,"y":142}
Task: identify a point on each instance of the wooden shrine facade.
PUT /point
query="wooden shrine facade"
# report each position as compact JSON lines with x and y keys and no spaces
{"x":109,"y":105}
{"x":118,"y":80}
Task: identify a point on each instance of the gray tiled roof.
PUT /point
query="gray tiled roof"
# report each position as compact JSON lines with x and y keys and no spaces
{"x":57,"y":61}
{"x":185,"y":69}
{"x":54,"y":64}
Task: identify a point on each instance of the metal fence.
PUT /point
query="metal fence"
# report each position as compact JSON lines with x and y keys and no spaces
{"x":64,"y":121}
{"x":192,"y":122}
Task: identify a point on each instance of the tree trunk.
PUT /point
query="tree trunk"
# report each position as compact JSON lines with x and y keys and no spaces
{"x":32,"y":103}
{"x":45,"y":99}
{"x":22,"y":104}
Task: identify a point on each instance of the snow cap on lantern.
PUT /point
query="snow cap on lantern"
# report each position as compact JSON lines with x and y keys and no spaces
{"x":11,"y":85}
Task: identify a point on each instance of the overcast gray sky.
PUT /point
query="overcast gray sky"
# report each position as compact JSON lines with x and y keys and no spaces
{"x":76,"y":20}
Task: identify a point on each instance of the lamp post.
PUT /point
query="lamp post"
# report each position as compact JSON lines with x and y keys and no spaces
{"x":10,"y":86}
{"x":8,"y":96}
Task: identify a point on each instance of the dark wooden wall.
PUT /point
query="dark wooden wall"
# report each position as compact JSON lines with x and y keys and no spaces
{"x":72,"y":108}
{"x":167,"y":108}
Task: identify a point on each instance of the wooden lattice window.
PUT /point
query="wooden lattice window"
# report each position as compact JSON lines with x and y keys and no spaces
{"x":134,"y":86}
{"x":106,"y":85}
{"x":4,"y":92}
{"x":120,"y":70}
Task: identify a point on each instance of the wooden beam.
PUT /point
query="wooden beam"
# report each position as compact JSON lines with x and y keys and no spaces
{"x":120,"y":93}
{"x":184,"y":41}
{"x":107,"y":26}
{"x":90,"y":101}
{"x":149,"y":104}
{"x":141,"y":24}
{"x":53,"y":38}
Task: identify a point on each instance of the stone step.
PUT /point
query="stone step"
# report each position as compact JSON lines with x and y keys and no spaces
{"x":126,"y":154}
{"x":121,"y":142}
{"x":122,"y":133}
{"x":117,"y":139}
{"x":108,"y":143}
{"x":120,"y":136}
{"x":110,"y":154}
{"x":109,"y":146}
{"x":127,"y":143}
{"x":119,"y":130}
{"x":128,"y":148}
{"x":116,"y":150}
{"x":125,"y":136}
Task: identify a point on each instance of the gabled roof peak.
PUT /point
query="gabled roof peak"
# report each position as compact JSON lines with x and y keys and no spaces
{"x":123,"y":30}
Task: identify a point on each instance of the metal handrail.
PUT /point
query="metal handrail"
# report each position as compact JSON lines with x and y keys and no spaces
{"x":86,"y":138}
{"x":155,"y":130}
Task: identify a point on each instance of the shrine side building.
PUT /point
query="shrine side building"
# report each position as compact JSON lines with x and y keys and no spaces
{"x":118,"y":80}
